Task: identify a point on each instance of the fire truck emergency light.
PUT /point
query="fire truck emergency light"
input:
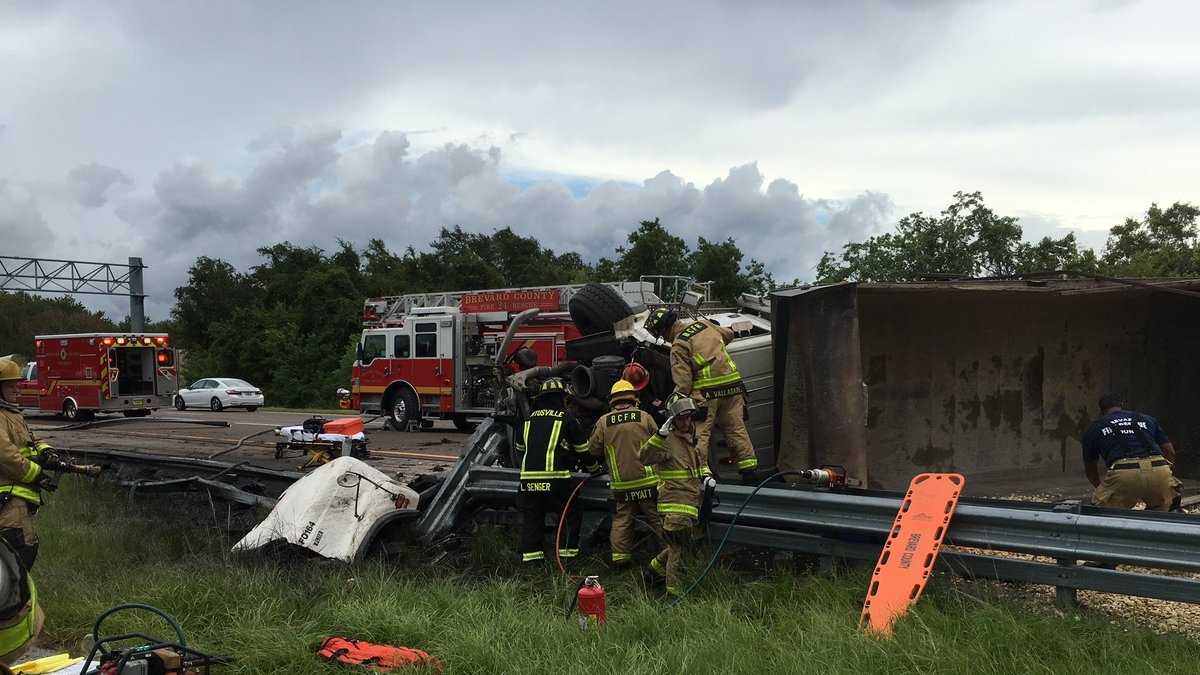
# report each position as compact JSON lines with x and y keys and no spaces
{"x":120,"y":341}
{"x":108,"y":341}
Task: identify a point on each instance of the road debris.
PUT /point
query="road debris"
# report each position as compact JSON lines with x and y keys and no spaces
{"x":336,"y":511}
{"x":380,"y":658}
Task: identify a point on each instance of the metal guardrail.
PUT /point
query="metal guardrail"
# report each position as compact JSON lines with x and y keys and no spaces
{"x":854,"y":523}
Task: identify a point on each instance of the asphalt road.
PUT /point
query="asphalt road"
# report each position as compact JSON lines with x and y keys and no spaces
{"x":175,"y":433}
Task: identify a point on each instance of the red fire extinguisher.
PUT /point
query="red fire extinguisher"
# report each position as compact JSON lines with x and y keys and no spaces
{"x":590,"y":598}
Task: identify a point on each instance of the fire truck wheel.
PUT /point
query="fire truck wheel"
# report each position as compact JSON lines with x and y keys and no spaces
{"x":463,"y":424}
{"x":215,"y":404}
{"x":403,"y":408}
{"x":596,"y":307}
{"x":179,"y":404}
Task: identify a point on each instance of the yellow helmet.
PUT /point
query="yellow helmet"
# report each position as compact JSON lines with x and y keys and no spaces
{"x":623,"y":389}
{"x":9,"y":370}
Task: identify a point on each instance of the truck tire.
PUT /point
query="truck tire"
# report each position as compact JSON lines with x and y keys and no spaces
{"x":74,"y":414}
{"x":596,"y":307}
{"x":403,"y":409}
{"x":462,"y":423}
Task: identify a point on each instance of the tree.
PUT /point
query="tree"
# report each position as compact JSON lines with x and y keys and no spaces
{"x":213,"y":287}
{"x":652,"y":250}
{"x":966,"y":239}
{"x":720,"y":264}
{"x":1162,"y":244}
{"x":1055,"y":254}
{"x":26,"y":315}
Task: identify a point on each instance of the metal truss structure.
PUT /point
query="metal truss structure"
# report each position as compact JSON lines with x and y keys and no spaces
{"x":78,"y":277}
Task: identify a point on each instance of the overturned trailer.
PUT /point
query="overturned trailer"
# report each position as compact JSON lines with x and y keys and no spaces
{"x":997,"y":379}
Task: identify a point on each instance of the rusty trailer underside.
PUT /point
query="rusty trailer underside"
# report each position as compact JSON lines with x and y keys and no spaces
{"x":994,"y":379}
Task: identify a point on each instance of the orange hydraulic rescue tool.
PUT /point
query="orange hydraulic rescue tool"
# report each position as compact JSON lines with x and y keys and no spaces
{"x":910,"y":550}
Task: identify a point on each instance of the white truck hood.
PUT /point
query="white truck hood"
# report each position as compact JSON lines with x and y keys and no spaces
{"x":334,"y":510}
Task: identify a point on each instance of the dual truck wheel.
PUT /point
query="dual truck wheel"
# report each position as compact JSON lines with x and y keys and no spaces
{"x":405,"y":408}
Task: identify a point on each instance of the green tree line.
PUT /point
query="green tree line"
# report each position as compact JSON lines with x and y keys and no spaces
{"x":967,"y":239}
{"x":290,"y":323}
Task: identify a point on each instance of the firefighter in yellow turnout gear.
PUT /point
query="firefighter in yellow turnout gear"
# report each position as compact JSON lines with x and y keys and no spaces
{"x":702,"y":369}
{"x":21,"y":475}
{"x":21,"y":616}
{"x":618,"y":437}
{"x":681,"y":469}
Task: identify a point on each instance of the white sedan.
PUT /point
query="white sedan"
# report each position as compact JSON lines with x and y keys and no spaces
{"x":218,"y":393}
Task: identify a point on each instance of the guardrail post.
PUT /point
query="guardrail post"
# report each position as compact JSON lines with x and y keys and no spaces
{"x":1065,"y":597}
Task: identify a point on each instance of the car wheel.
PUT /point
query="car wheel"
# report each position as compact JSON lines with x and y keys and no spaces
{"x":215,"y":404}
{"x":251,"y":408}
{"x":404,"y":409}
{"x":179,"y":404}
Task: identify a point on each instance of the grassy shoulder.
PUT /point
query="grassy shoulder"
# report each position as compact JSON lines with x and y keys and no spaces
{"x":100,"y":550}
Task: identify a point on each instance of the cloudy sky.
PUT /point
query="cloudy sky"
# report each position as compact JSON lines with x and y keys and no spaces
{"x":170,"y":129}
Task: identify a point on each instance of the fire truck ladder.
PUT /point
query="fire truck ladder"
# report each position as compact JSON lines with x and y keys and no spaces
{"x":397,"y":305}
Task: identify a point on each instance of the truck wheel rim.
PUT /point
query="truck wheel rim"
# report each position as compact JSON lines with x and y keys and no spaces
{"x":399,"y":411}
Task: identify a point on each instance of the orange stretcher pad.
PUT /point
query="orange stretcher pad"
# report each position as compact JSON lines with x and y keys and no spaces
{"x":347,"y":426}
{"x":911,"y":549}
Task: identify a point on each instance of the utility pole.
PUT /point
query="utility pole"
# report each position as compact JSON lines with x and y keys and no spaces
{"x":137,"y":297}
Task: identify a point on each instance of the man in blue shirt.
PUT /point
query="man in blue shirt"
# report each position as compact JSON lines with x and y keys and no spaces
{"x":1137,"y":456}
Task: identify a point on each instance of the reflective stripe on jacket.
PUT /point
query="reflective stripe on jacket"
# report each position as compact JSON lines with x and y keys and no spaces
{"x":699,"y":359}
{"x":17,"y":634}
{"x":680,"y":467}
{"x":618,"y":437}
{"x":552,"y":442}
{"x":18,"y":471}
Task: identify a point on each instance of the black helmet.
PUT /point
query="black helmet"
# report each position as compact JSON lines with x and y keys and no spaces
{"x":660,"y":321}
{"x":553,"y":385}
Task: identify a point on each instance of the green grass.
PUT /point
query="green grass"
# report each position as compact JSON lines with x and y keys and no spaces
{"x":99,"y":550}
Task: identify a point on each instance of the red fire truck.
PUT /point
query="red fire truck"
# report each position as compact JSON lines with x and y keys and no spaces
{"x":432,"y":355}
{"x":82,"y":374}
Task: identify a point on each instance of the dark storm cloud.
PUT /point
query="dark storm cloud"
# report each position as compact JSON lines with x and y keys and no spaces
{"x":1045,"y":107}
{"x":302,"y":188}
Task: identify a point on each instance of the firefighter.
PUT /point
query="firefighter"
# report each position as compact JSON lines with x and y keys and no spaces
{"x":21,"y":616}
{"x":618,"y":437}
{"x":681,"y":468}
{"x":552,"y":443}
{"x":21,"y":474}
{"x":702,"y":369}
{"x":1137,"y":456}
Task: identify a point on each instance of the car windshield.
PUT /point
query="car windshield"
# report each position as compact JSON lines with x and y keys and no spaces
{"x":238,"y":383}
